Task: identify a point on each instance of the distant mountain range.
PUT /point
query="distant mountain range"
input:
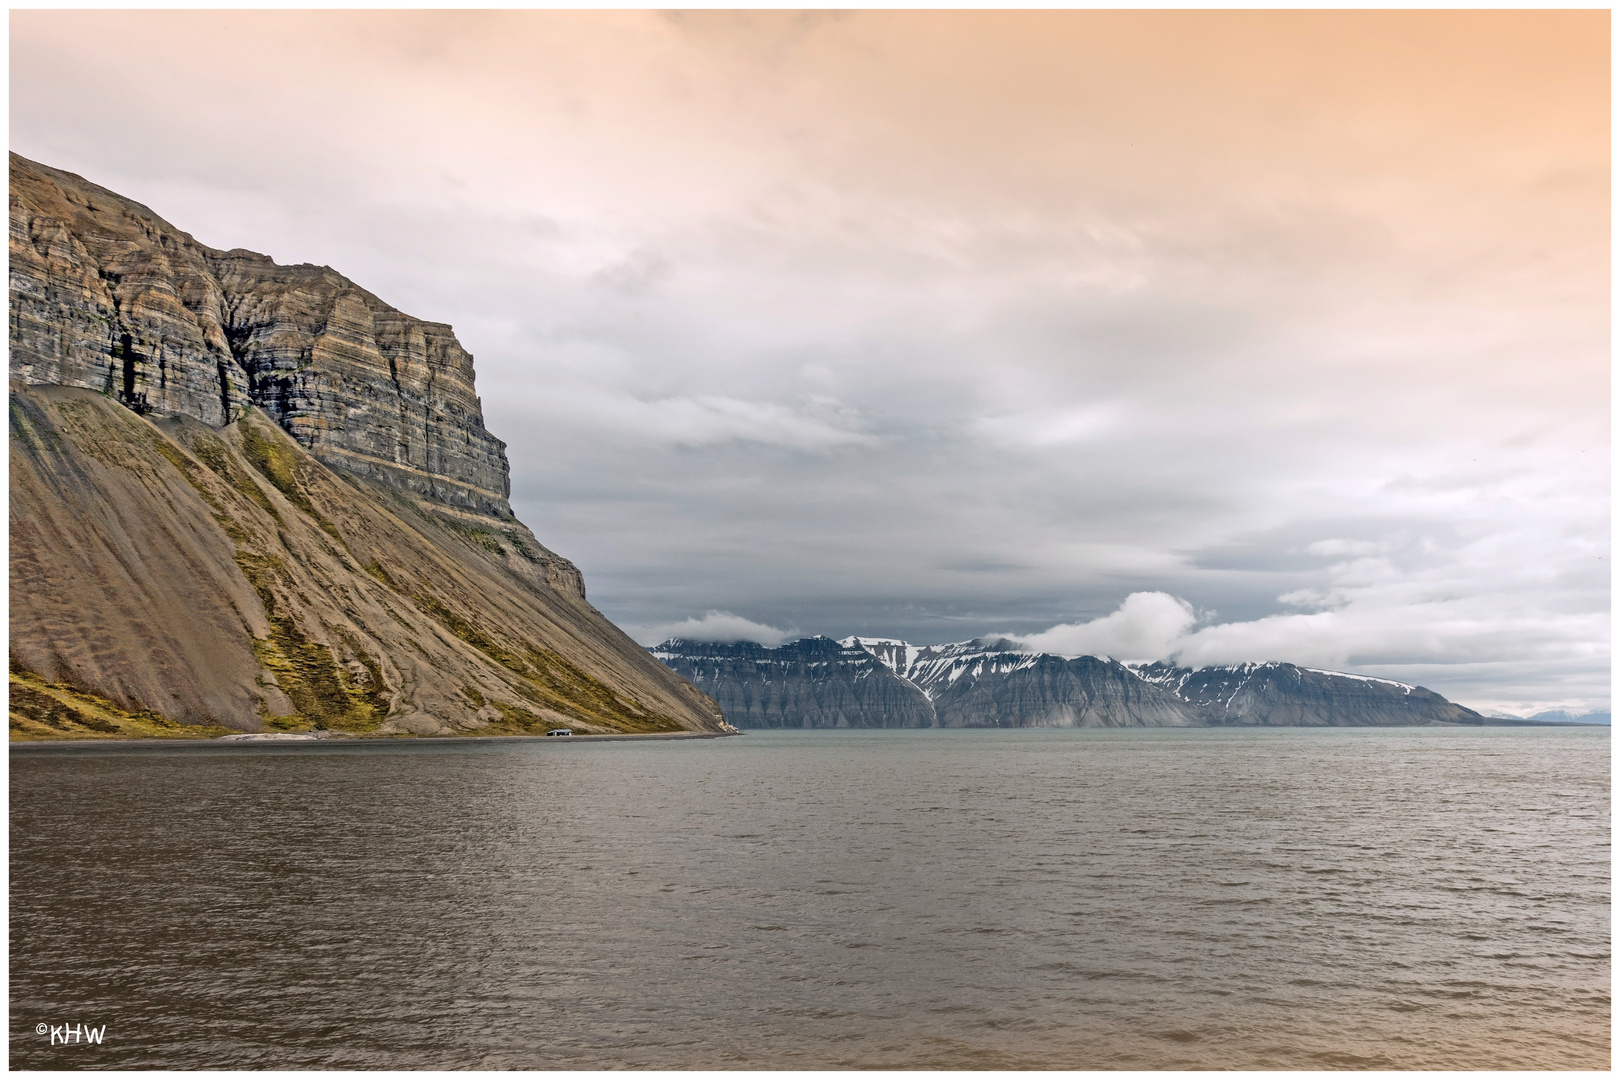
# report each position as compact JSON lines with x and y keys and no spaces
{"x":885,"y":683}
{"x":1559,"y":716}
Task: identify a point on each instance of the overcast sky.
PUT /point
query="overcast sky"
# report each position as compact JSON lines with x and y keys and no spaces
{"x":1221,"y":336}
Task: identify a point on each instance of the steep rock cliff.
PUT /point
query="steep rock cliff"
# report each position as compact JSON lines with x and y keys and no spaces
{"x":249,"y":496}
{"x":108,"y":296}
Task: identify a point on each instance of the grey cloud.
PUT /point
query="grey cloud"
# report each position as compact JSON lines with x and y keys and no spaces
{"x":637,"y":273}
{"x":713,"y":626}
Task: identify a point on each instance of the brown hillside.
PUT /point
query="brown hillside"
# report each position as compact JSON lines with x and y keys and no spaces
{"x":224,"y":576}
{"x":246,"y":495}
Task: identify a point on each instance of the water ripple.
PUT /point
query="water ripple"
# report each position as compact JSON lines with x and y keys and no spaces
{"x":1312,"y":899}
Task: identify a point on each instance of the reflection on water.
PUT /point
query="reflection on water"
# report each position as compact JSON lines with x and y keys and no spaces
{"x":1429,"y":898}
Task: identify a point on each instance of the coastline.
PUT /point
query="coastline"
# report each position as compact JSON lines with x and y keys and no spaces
{"x":352,"y":740}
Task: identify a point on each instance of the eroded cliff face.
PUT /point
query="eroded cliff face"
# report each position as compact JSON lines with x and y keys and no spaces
{"x":108,"y":296}
{"x":247,"y":496}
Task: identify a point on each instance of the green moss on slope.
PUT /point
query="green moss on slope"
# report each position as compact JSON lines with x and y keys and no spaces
{"x":323,"y":693}
{"x":40,"y":710}
{"x":277,"y":463}
{"x":548,"y":679}
{"x":212,"y":453}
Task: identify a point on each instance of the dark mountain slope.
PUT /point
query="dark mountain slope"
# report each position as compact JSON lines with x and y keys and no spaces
{"x":1041,"y":690}
{"x":992,"y":684}
{"x":1285,"y":695}
{"x":815,"y":682}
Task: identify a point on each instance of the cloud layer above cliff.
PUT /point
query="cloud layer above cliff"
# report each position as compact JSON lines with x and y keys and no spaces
{"x":714,"y":626}
{"x":1147,"y":626}
{"x":940,"y":324}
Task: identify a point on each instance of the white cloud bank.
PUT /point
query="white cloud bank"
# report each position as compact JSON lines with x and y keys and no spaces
{"x":1446,"y":643}
{"x":716,"y":626}
{"x":607,"y":413}
{"x":1045,"y":428}
{"x":1157,"y":626}
{"x":1147,"y":626}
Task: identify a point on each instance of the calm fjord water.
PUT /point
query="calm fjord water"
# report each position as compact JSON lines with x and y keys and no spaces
{"x":1417,"y":898}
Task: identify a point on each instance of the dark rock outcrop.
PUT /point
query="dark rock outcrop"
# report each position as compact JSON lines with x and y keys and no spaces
{"x":1285,"y":695}
{"x":108,"y":296}
{"x":811,"y":683}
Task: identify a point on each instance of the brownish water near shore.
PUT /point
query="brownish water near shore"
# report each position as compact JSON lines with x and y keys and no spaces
{"x":1414,"y":898}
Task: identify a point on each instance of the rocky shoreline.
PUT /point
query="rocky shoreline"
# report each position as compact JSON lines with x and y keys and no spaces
{"x":342,"y":739}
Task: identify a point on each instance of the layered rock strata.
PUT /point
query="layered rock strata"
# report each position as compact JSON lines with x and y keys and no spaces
{"x":108,"y":296}
{"x":247,"y":496}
